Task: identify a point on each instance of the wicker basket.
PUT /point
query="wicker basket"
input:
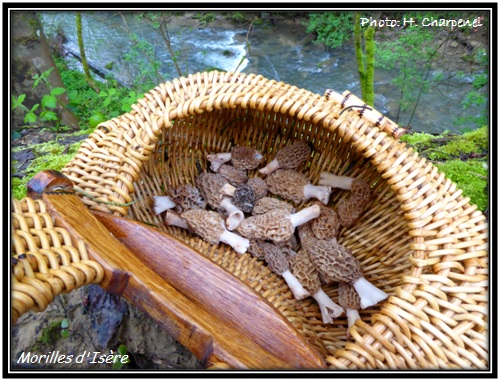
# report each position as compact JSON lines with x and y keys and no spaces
{"x":420,"y":240}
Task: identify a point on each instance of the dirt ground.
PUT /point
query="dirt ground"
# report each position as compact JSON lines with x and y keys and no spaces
{"x":94,"y":331}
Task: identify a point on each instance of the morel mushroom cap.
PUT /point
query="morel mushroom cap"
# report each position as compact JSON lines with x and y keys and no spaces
{"x":259,"y":187}
{"x":296,"y":187}
{"x":278,"y":263}
{"x":307,"y":274}
{"x":187,"y":197}
{"x":266,"y":204}
{"x":336,"y":262}
{"x":244,"y":198}
{"x":327,"y":225}
{"x":232,"y":175}
{"x":241,"y":158}
{"x":182,"y":198}
{"x":255,"y":249}
{"x":210,"y":227}
{"x":289,"y":157}
{"x":210,"y":185}
{"x":350,"y":209}
{"x":349,"y":300}
{"x":277,"y":225}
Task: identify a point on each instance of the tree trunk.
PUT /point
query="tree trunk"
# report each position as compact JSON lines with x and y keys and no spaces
{"x":81,"y":46}
{"x":365,"y":61}
{"x":31,"y":55}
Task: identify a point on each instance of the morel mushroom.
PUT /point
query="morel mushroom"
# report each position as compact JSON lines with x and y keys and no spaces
{"x":210,"y":227}
{"x":296,"y":187}
{"x":255,"y":249}
{"x":350,"y":209}
{"x":266,"y":204}
{"x":278,"y":264}
{"x":349,"y":300}
{"x":181,"y":199}
{"x":240,"y":157}
{"x":289,"y":157}
{"x":307,"y":274}
{"x":259,"y":186}
{"x":245,"y":196}
{"x":277,"y":225}
{"x":232,"y":175}
{"x":336,"y":262}
{"x":210,"y":185}
{"x":327,"y":225}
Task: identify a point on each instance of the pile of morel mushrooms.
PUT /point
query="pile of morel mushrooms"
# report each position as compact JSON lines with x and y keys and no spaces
{"x":227,"y":206}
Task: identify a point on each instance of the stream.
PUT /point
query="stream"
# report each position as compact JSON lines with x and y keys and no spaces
{"x":283,"y":54}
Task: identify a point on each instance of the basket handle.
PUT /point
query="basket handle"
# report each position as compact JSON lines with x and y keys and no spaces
{"x":348,"y":100}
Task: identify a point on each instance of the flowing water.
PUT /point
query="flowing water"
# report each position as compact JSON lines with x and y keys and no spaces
{"x":276,"y":53}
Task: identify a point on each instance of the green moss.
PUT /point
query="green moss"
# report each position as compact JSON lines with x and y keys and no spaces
{"x":471,"y":142}
{"x":48,"y":155}
{"x":471,"y":177}
{"x":418,"y":138}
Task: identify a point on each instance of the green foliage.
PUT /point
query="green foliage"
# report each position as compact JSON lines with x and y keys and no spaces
{"x":237,"y":17}
{"x":47,"y":105}
{"x":52,"y":333}
{"x":410,"y":57}
{"x":94,"y":108}
{"x":142,"y":56}
{"x":331,"y":28}
{"x":64,"y":328}
{"x":478,"y":95}
{"x":121,"y":359}
{"x":205,"y":17}
{"x":471,"y":177}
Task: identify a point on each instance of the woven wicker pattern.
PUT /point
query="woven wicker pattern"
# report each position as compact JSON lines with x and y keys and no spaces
{"x":45,"y":263}
{"x":420,"y":240}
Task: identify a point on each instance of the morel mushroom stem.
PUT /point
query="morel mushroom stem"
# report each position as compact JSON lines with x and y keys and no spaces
{"x":238,"y":243}
{"x":172,"y":219}
{"x":329,"y":179}
{"x":299,"y":292}
{"x":352,"y":316}
{"x":289,"y":157}
{"x":329,"y":309}
{"x":271,"y":167}
{"x":305,"y":215}
{"x":235,"y":215}
{"x":322,"y":193}
{"x":218,"y":159}
{"x":368,"y":293}
{"x":162,"y":203}
{"x":228,"y":190}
